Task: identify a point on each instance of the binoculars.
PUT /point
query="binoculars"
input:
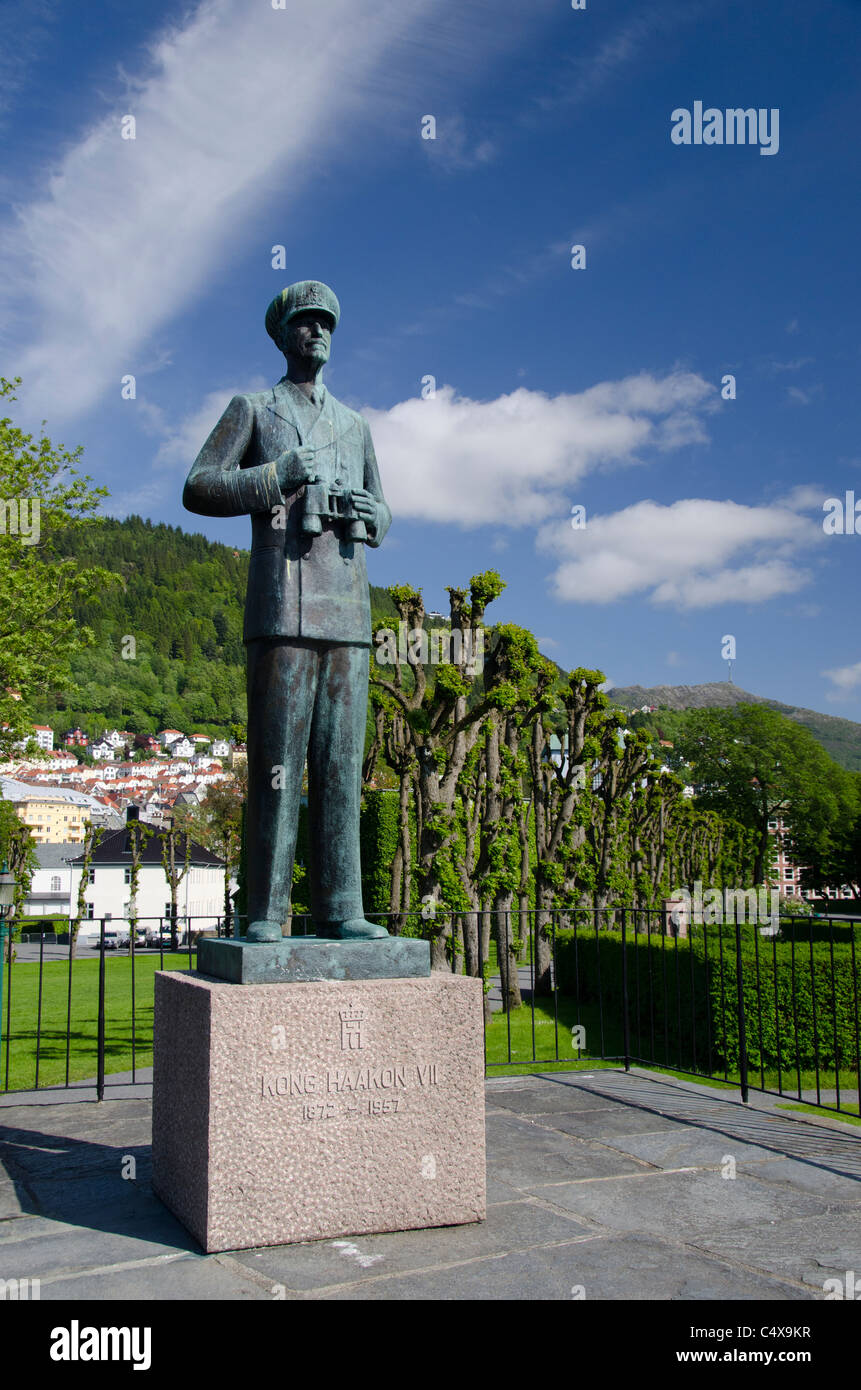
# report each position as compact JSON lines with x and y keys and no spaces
{"x":325,"y":502}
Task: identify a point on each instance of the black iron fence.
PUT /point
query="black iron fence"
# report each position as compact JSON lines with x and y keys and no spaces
{"x":770,"y":1006}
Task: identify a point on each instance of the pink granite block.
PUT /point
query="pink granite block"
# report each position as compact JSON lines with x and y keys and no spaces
{"x":288,"y":1112}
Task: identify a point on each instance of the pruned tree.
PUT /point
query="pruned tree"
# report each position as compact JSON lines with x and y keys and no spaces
{"x":431,"y":728}
{"x":93,"y":835}
{"x":173,"y":872}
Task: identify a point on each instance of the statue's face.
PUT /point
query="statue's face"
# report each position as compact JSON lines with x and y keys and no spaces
{"x":309,"y":336}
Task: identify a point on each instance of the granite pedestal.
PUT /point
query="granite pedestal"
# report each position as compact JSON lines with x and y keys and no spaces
{"x":291,"y":1112}
{"x":312,"y":958}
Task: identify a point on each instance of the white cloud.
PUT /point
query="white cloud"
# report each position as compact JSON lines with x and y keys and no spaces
{"x":693,"y":554}
{"x":513,"y":461}
{"x":804,"y":497}
{"x":123,"y":234}
{"x":181,"y":445}
{"x":845,"y":678}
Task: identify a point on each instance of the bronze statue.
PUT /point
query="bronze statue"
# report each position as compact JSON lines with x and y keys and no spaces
{"x":303,"y":466}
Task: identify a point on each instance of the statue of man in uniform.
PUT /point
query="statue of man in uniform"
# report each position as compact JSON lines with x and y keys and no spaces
{"x":303,"y":466}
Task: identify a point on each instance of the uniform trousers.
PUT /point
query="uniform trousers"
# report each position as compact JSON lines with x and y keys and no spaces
{"x":306,"y":698}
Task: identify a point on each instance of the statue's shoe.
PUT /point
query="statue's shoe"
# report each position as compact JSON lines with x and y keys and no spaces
{"x":356,"y":929}
{"x":264,"y":931}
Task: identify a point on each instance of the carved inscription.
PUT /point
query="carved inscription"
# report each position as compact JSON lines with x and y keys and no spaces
{"x":350,"y":1090}
{"x":354,"y":1087}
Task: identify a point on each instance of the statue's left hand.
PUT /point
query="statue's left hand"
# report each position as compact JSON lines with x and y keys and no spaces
{"x":366,"y":506}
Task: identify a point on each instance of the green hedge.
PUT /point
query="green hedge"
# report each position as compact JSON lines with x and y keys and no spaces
{"x":378,"y":838}
{"x":683,"y":1003}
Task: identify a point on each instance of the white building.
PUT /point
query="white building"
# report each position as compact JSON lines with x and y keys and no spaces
{"x":51,"y":885}
{"x":44,"y":737}
{"x":200,"y":895}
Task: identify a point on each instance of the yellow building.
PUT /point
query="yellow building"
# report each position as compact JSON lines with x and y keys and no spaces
{"x":54,"y":815}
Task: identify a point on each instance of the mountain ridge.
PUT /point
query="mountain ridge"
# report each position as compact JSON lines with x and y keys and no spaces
{"x":840,"y":737}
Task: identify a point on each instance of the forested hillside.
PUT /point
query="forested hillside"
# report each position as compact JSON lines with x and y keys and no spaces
{"x":841,"y":738}
{"x":179,"y":598}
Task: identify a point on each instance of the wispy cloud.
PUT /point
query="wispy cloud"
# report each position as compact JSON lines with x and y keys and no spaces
{"x":583,"y":77}
{"x":124,"y":234}
{"x":802,"y":397}
{"x":26,"y":29}
{"x":455,"y":149}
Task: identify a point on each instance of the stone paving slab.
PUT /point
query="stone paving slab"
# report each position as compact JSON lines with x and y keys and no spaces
{"x":792,"y":1249}
{"x":526,"y":1152}
{"x":637,"y":1269}
{"x":522,"y":1224}
{"x":687,"y":1206}
{"x":606,"y":1181}
{"x":171,"y":1280}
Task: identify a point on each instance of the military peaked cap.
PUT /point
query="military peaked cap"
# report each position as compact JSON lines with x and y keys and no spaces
{"x":298,"y":299}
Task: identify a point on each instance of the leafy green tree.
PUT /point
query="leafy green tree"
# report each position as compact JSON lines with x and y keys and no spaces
{"x":18,"y":852}
{"x":826,"y":843}
{"x":40,"y":581}
{"x":753,"y":765}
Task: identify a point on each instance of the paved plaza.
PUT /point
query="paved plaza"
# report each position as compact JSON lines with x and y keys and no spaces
{"x":601,"y":1185}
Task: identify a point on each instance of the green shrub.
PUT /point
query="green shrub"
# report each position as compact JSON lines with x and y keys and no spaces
{"x":683,"y":1002}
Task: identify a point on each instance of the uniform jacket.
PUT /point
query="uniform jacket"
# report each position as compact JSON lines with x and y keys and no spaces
{"x":298,"y":585}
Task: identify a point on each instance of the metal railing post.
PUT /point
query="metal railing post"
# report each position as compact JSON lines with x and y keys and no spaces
{"x":626,"y":1031}
{"x":100,"y":1045}
{"x":742,"y":1030}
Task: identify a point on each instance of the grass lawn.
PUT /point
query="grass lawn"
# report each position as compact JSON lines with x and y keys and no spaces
{"x":509,"y":1050}
{"x":823,"y":1114}
{"x":510,"y":1046}
{"x":81,"y":1019}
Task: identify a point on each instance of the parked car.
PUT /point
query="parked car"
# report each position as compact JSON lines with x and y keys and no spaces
{"x":165,"y":940}
{"x":116,"y":938}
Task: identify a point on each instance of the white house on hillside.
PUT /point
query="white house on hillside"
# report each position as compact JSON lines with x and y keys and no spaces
{"x":200,"y":894}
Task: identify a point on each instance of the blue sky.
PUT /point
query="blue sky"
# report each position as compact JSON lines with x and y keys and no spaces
{"x":451,"y":257}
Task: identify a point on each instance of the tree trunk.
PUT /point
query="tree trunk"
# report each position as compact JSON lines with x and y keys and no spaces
{"x":470,"y":943}
{"x":439,"y":959}
{"x":507,"y":954}
{"x":542,"y":945}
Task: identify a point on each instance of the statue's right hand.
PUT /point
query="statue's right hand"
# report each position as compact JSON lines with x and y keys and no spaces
{"x":295,"y":467}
